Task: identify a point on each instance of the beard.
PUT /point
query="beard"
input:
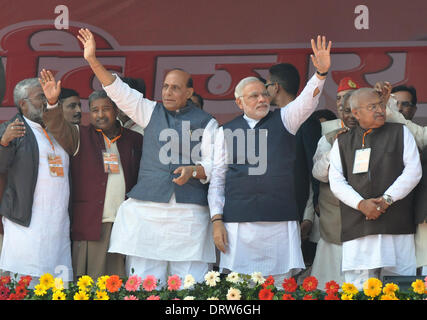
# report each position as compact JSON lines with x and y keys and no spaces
{"x":34,"y":114}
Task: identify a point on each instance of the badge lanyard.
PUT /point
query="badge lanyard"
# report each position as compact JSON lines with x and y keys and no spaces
{"x":111,"y":160}
{"x":56,"y":168}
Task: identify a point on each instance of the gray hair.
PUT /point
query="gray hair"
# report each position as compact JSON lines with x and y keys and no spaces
{"x":238,"y":91}
{"x":99,"y":94}
{"x":355,"y":95}
{"x":20,"y":91}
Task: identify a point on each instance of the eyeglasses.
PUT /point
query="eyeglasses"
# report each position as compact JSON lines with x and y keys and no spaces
{"x":374,"y":107}
{"x":405,"y":104}
{"x":255,"y":96}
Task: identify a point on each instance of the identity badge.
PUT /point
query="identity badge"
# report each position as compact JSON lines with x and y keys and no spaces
{"x":56,"y":167}
{"x":111,"y":162}
{"x":361,"y":160}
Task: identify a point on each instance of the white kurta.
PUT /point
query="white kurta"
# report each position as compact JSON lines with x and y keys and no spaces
{"x":328,"y":259}
{"x":376,"y":251}
{"x":43,"y":246}
{"x":161,"y":231}
{"x":272,"y":248}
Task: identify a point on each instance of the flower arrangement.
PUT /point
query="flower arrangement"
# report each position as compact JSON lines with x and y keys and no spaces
{"x":233,"y":286}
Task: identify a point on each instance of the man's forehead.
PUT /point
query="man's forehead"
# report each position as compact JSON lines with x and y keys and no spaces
{"x":370,"y":97}
{"x":253,"y":86}
{"x":176,"y":76}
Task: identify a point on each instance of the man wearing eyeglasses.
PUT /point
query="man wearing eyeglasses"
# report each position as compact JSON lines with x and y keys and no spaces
{"x":373,"y":169}
{"x":254,"y":215}
{"x":35,"y":202}
{"x":406,"y":100}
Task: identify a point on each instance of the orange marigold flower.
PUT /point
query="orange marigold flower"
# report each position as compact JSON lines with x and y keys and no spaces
{"x":331,"y":287}
{"x":268,"y":282}
{"x":113,"y":283}
{"x":308,"y":297}
{"x":21,"y":291}
{"x":265,"y":294}
{"x":290,"y":285}
{"x":310,"y":284}
{"x":25,"y":280}
{"x":287,"y":296}
{"x":332,"y":296}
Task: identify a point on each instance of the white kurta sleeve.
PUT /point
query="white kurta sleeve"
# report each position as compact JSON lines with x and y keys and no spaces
{"x":338,"y":183}
{"x":216,"y":196}
{"x":296,"y":112}
{"x":207,"y":149}
{"x":131,"y":101}
{"x":321,"y":160}
{"x":412,"y":172}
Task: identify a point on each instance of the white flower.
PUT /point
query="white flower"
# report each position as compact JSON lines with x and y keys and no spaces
{"x":257,"y":278}
{"x":189,"y":298}
{"x":233,"y":277}
{"x":212,"y":298}
{"x":189,"y":281}
{"x":233,"y":294}
{"x":211,"y":278}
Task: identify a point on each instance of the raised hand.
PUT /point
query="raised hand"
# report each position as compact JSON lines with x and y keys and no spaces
{"x":50,"y":88}
{"x":87,"y":39}
{"x":321,"y":56}
{"x":14,"y":130}
{"x":384,"y":90}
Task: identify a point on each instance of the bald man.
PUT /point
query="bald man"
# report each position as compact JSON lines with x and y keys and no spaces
{"x":164,"y":227}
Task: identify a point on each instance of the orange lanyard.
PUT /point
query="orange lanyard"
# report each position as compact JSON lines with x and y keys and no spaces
{"x":108,"y":141}
{"x":364,"y":135}
{"x":48,"y":138}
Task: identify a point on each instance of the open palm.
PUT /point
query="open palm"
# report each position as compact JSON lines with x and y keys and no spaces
{"x":51,"y":88}
{"x":88,"y":41}
{"x":321,"y":56}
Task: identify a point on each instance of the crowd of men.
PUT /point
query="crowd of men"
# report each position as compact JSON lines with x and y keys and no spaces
{"x":160,"y":188}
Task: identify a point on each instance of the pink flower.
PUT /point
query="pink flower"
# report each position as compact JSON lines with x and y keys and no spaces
{"x":149,"y":283}
{"x":133,"y":283}
{"x":174,"y":283}
{"x":132,"y":297}
{"x":153,"y":297}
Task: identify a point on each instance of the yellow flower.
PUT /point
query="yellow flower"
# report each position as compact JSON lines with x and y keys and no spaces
{"x":81,"y":295}
{"x":59,"y":295}
{"x":390,"y":288}
{"x":372,"y":287}
{"x":418,"y":286}
{"x":349,"y":289}
{"x":391,"y":296}
{"x":84,"y":283}
{"x":39,"y":290}
{"x":102,"y":295}
{"x":46,"y":281}
{"x":346,"y":296}
{"x":58,"y":284}
{"x":101,"y":283}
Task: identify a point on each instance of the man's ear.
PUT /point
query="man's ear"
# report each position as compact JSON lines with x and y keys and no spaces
{"x":239,"y":103}
{"x":190,"y":92}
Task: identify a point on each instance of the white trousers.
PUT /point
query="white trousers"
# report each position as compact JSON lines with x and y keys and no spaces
{"x":358,"y":277}
{"x":163,"y":269}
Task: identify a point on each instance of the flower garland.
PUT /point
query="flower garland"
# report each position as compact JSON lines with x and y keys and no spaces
{"x":234,"y":286}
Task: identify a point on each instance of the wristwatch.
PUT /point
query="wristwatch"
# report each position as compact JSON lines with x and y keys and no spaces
{"x":388,"y":199}
{"x":194,"y":174}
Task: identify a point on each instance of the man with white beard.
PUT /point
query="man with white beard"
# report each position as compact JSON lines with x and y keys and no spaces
{"x":254,"y":212}
{"x":35,"y":200}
